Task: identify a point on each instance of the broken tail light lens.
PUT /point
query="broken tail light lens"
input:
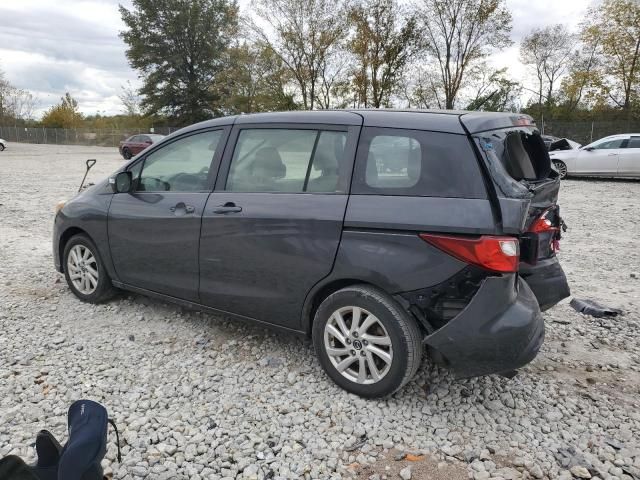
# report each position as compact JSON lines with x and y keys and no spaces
{"x":498,"y":254}
{"x":543,"y":224}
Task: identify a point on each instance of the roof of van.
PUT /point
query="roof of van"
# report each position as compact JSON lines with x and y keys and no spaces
{"x":449,"y":121}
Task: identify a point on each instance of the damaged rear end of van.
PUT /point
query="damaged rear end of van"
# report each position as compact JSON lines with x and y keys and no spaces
{"x":525,"y":187}
{"x":488,"y":320}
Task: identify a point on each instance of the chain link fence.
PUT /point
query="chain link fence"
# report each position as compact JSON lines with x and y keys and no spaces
{"x":79,"y":136}
{"x":581,"y":132}
{"x":587,"y":132}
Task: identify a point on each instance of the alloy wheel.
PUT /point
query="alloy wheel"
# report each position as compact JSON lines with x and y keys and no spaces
{"x":83,"y":269}
{"x":562,"y":168}
{"x":358,"y":345}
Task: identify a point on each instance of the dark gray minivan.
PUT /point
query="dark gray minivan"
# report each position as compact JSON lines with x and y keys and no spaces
{"x":377,"y":232}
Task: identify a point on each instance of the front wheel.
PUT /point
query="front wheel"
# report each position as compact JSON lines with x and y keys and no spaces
{"x":84,"y":271}
{"x":366,"y":342}
{"x":561,"y":167}
{"x":1,"y":147}
{"x":126,"y":154}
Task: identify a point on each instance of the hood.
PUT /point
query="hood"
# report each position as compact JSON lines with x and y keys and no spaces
{"x":563,"y":144}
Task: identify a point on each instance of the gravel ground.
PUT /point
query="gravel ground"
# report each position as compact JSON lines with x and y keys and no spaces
{"x":197,"y":396}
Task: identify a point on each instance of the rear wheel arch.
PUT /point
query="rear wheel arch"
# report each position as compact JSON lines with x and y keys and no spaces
{"x":320,"y":293}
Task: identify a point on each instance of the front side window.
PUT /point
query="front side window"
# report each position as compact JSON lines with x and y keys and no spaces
{"x":610,"y":144}
{"x":180,"y":166}
{"x":286,"y":160}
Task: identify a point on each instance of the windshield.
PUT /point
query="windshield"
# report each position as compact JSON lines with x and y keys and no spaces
{"x":607,"y":143}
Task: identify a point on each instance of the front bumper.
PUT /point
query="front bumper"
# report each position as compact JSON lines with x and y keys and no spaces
{"x":500,"y":330}
{"x":57,"y":261}
{"x":547,"y":281}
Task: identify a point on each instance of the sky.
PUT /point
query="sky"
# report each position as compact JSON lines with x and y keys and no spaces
{"x":50,"y":47}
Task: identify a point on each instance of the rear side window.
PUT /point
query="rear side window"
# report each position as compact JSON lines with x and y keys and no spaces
{"x":401,"y":162}
{"x":286,"y":161}
{"x":634,"y":142}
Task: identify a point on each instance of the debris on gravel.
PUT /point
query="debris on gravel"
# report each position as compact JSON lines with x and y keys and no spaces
{"x":200,"y":397}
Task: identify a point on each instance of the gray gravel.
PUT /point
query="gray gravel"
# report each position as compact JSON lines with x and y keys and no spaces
{"x":197,"y":396}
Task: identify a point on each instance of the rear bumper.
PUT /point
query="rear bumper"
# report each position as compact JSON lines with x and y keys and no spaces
{"x":547,"y":281}
{"x":500,"y":330}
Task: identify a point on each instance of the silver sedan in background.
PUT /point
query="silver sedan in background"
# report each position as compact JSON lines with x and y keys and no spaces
{"x":613,"y":156}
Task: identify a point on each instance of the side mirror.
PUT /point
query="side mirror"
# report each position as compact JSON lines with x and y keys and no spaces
{"x":589,"y":149}
{"x":122,"y":182}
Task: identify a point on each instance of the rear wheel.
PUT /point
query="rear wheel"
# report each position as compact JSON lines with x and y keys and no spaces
{"x":561,"y":168}
{"x":366,"y":342}
{"x":1,"y":147}
{"x":84,"y":271}
{"x":126,"y":153}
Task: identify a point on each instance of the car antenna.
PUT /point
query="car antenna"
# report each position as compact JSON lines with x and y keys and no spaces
{"x":90,"y":163}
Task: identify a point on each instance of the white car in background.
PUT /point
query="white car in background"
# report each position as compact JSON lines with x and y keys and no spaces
{"x":613,"y":156}
{"x":3,"y":144}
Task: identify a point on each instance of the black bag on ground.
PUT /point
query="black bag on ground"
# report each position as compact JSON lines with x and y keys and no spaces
{"x":79,"y":459}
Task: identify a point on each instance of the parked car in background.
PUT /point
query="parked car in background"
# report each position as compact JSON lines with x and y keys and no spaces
{"x":137,"y":143}
{"x":554,"y":143}
{"x":3,"y":144}
{"x":613,"y":156}
{"x":307,"y":221}
{"x":548,"y":140}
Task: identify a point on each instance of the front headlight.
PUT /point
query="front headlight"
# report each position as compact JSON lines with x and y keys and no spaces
{"x":60,"y":205}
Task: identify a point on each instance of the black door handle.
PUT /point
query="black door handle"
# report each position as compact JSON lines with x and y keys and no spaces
{"x":228,"y":207}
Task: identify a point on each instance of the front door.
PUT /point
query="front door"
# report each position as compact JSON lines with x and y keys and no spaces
{"x":629,"y":162}
{"x":154,"y":231}
{"x":601,"y":158}
{"x":272,"y":227}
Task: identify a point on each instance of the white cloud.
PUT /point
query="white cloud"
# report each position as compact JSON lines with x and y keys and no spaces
{"x":73,"y":45}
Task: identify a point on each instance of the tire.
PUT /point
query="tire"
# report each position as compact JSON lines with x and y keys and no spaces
{"x":561,"y":167}
{"x":1,"y":147}
{"x":390,"y":323}
{"x":87,"y":265}
{"x":126,"y":154}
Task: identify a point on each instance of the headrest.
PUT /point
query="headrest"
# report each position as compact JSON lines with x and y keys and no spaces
{"x":269,"y":163}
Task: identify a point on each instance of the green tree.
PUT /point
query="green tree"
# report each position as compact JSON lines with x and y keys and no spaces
{"x":63,"y":115}
{"x":179,"y":47}
{"x":384,"y":41}
{"x":494,"y":91}
{"x":255,"y":80}
{"x":459,"y":34}
{"x":613,"y":29}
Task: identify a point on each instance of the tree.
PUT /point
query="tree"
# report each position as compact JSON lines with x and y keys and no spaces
{"x":613,"y":30}
{"x":130,"y":100}
{"x":179,"y":46}
{"x":459,"y":34}
{"x":548,"y":50}
{"x":383,"y":43}
{"x":583,"y":78}
{"x":63,"y":115}
{"x":255,"y":80}
{"x":15,"y":104}
{"x":494,"y":91}
{"x":305,"y":35}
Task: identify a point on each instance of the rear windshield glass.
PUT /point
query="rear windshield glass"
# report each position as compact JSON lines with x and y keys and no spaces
{"x":522,"y":152}
{"x":393,"y":161}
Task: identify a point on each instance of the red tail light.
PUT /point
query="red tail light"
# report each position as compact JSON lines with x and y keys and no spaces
{"x":544,"y":224}
{"x":499,"y":254}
